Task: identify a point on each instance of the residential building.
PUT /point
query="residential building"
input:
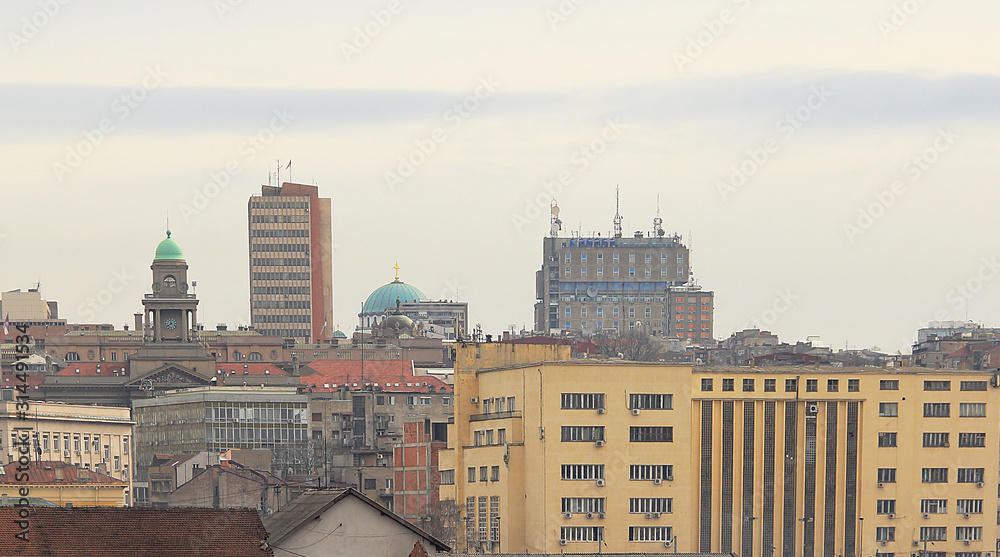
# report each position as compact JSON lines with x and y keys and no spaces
{"x":167,"y":472}
{"x":96,"y":438}
{"x":29,"y":308}
{"x":415,"y":488}
{"x":63,"y":484}
{"x":816,"y":460}
{"x":332,"y":523}
{"x":232,"y":485}
{"x":134,"y":532}
{"x":291,"y":263}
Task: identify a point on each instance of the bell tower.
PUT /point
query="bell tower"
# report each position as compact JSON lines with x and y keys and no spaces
{"x":170,"y":312}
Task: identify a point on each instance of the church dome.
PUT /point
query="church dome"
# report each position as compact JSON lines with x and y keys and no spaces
{"x":169,"y":249}
{"x":398,"y":321}
{"x":385,"y":296}
{"x":339,"y":334}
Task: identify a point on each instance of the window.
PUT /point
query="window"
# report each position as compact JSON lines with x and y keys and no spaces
{"x":968,"y":533}
{"x":888,"y":384}
{"x":317,"y":417}
{"x":886,"y":439}
{"x":651,"y":434}
{"x":477,"y":438}
{"x":487,"y":406}
{"x":934,"y":506}
{"x":585,"y":433}
{"x":76,"y":443}
{"x":886,"y":475}
{"x":969,"y":506}
{"x":582,"y":401}
{"x":447,"y":477}
{"x":495,"y":518}
{"x":425,"y":401}
{"x":727,"y":385}
{"x":483,"y":470}
{"x":885,"y":534}
{"x":510,"y":404}
{"x":973,"y":385}
{"x":748,"y":385}
{"x":888,"y":409}
{"x":644,"y":472}
{"x":853,"y":385}
{"x":501,"y":436}
{"x":470,"y":522}
{"x":489,"y":436}
{"x":937,"y":409}
{"x":935,"y":439}
{"x":482,"y":519}
{"x":791,"y":385}
{"x":583,"y":471}
{"x":412,"y":401}
{"x":937,"y":385}
{"x":45,"y":441}
{"x":649,"y":533}
{"x":770,"y":385}
{"x":370,"y":483}
{"x":582,"y":533}
{"x":55,"y":442}
{"x":706,"y":384}
{"x":472,"y":474}
{"x":885,"y":506}
{"x":933,"y":533}
{"x":86,"y":443}
{"x":934,"y":475}
{"x":971,"y":439}
{"x":972,"y":410}
{"x":651,"y":401}
{"x":495,"y":474}
{"x":446,"y":401}
{"x":578,"y":505}
{"x":812,"y":385}
{"x":832,"y":385}
{"x":642,"y":505}
{"x":970,"y":475}
{"x":614,"y":257}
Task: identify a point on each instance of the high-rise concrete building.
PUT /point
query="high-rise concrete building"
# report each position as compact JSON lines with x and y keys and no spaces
{"x":590,"y":285}
{"x":291,"y":263}
{"x":549,"y":454}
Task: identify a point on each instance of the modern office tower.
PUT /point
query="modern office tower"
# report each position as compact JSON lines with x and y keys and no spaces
{"x":595,"y":284}
{"x":291,"y":263}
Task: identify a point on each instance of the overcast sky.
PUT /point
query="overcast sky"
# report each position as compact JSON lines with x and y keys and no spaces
{"x":828,"y":163}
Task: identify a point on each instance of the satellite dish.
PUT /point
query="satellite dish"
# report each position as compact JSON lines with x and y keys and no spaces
{"x":592,"y":291}
{"x":555,"y":210}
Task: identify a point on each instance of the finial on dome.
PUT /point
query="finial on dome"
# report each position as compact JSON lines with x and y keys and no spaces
{"x":168,"y":233}
{"x":397,"y":270}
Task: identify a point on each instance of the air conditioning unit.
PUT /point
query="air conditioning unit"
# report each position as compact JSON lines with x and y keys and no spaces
{"x":916,"y":543}
{"x":590,"y":515}
{"x":668,"y":543}
{"x":966,"y":515}
{"x":649,"y":515}
{"x":656,"y":515}
{"x":77,"y":453}
{"x":880,"y":484}
{"x":475,"y":400}
{"x":657,"y":481}
{"x":967,"y":542}
{"x":926,"y":515}
{"x":66,"y":452}
{"x":980,"y":484}
{"x":635,"y":411}
{"x":600,"y":410}
{"x":599,"y":443}
{"x":946,"y":444}
{"x":600,"y":483}
{"x":883,"y":542}
{"x":600,"y":515}
{"x":669,"y":478}
{"x":568,"y":515}
{"x":892,"y":515}
{"x":562,"y":542}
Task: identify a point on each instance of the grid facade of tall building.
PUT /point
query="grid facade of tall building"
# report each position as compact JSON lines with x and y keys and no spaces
{"x":291,"y":268}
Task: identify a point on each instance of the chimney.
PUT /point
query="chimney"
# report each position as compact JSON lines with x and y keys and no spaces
{"x":138,"y":322}
{"x":59,"y":473}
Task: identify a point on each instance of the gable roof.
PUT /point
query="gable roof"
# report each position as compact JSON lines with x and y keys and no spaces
{"x":44,"y":472}
{"x":135,"y":532}
{"x":388,"y":375}
{"x":314,"y":502}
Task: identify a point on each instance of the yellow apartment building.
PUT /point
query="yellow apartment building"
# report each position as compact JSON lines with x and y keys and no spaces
{"x":551,"y":455}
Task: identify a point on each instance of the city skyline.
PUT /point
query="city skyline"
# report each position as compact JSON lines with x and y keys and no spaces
{"x":826,"y":165}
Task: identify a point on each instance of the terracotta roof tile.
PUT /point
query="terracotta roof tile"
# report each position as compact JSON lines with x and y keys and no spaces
{"x":108,"y":369}
{"x":388,"y":375}
{"x":44,"y":472}
{"x":251,"y":369}
{"x":135,"y":532}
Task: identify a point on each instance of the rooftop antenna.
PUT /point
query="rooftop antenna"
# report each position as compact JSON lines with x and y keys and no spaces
{"x":278,"y":162}
{"x":657,"y":221}
{"x":554,"y":222}
{"x":618,"y":217}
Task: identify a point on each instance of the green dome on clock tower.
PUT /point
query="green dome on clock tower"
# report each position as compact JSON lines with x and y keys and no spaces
{"x":168,"y":250}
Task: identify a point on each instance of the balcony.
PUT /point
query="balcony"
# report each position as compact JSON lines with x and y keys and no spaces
{"x":494,"y":416}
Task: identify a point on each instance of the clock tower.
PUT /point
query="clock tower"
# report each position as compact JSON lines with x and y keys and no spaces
{"x":170,"y":312}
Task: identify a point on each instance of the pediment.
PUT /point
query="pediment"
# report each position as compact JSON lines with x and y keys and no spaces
{"x":169,"y":374}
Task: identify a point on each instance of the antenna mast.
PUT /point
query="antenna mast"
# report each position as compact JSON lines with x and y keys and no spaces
{"x":618,"y":217}
{"x":657,"y":221}
{"x":554,"y":222}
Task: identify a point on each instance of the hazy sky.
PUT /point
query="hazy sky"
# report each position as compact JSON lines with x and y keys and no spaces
{"x":829,"y":163}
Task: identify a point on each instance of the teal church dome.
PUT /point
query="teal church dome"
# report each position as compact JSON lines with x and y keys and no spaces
{"x":169,"y":249}
{"x":384,"y":297}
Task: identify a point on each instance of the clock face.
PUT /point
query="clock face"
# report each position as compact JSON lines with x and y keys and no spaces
{"x":183,"y":287}
{"x":170,"y":323}
{"x":169,"y":282}
{"x":156,"y":287}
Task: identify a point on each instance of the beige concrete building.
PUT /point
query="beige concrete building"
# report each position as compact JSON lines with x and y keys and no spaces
{"x":291,"y":263}
{"x":97,"y":438}
{"x":587,"y":456}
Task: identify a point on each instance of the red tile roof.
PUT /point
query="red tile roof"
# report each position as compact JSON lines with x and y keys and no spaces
{"x":11,"y":381}
{"x":389,"y":375}
{"x":44,"y":472}
{"x":251,"y":369}
{"x":135,"y":532}
{"x":95,"y":368}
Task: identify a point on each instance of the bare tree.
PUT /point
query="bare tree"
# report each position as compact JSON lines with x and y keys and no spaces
{"x":634,"y":345}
